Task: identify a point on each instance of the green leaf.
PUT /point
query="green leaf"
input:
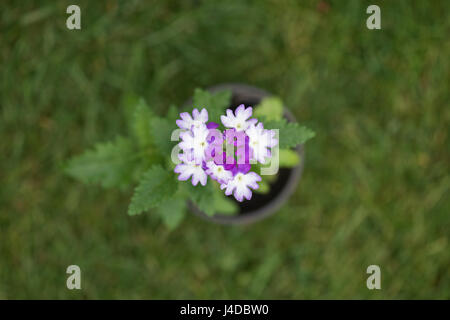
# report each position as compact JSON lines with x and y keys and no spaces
{"x":269,"y":178}
{"x":173,"y":114}
{"x":223,"y":204}
{"x":288,"y":158}
{"x":209,"y":199}
{"x":110,"y":164}
{"x":141,"y":125}
{"x":138,"y":115}
{"x":201,"y":196}
{"x":270,"y":108}
{"x":215,"y":103}
{"x":156,"y":186}
{"x":172,"y":212}
{"x":264,"y":186}
{"x":129,"y":102}
{"x":291,"y":134}
{"x":161,"y":131}
{"x":257,"y":167}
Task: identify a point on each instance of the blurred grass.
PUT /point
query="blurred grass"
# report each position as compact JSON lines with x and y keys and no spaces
{"x":375,"y":189}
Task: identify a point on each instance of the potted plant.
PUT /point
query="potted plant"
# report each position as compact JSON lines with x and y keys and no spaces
{"x":197,"y":161}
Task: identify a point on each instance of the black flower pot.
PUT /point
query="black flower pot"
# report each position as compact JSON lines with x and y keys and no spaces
{"x":259,"y":206}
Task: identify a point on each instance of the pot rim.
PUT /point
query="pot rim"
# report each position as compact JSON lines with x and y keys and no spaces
{"x":289,"y":187}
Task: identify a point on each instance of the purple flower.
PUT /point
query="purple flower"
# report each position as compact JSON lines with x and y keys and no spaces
{"x":187,"y":122}
{"x":215,"y":147}
{"x":234,"y":137}
{"x":212,"y":125}
{"x":225,"y":157}
{"x":240,"y":119}
{"x":241,"y":184}
{"x":244,"y":153}
{"x":218,"y":172}
{"x":261,"y":141}
{"x":190,"y":168}
{"x":195,"y":140}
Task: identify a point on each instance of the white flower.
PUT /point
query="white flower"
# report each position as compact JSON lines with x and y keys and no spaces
{"x":240,"y":119}
{"x":187,"y":122}
{"x":218,"y":172}
{"x":241,"y":184}
{"x":260,"y":141}
{"x":190,"y":168}
{"x":195,"y":141}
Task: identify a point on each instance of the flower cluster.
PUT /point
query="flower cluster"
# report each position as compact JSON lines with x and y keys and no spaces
{"x":227,"y":156}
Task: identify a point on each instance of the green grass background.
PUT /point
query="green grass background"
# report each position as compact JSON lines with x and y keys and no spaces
{"x":375,"y":188}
